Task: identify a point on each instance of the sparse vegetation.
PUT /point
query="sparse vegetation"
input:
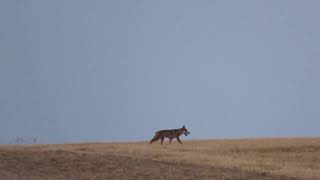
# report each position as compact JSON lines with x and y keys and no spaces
{"x":281,"y":158}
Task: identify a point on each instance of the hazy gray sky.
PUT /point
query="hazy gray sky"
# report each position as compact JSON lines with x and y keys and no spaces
{"x":97,"y":70}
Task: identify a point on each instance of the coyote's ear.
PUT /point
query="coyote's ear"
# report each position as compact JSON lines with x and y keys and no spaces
{"x":183,"y":126}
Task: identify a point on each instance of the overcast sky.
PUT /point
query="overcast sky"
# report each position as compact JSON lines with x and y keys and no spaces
{"x":73,"y":71}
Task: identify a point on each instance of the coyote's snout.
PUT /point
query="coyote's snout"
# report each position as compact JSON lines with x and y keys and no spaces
{"x":171,"y":134}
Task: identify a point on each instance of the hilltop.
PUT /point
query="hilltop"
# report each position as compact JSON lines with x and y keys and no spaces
{"x":276,"y":158}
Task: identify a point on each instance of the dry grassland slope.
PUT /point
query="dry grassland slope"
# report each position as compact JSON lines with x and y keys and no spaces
{"x":279,"y":158}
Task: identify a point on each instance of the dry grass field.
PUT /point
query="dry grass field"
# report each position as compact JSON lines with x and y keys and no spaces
{"x":278,"y":158}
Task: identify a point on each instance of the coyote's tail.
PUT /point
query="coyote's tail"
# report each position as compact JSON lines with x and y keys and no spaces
{"x":155,"y":138}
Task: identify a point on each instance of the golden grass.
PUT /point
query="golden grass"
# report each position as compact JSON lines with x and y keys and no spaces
{"x":268,"y":158}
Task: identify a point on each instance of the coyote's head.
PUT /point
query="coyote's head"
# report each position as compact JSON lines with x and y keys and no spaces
{"x":185,"y":131}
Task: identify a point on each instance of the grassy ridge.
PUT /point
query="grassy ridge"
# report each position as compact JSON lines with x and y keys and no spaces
{"x":279,"y":158}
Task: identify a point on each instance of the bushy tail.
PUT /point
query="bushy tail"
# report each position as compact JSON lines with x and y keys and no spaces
{"x":155,"y":138}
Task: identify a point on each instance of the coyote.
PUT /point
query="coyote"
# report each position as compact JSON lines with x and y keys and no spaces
{"x":171,"y":134}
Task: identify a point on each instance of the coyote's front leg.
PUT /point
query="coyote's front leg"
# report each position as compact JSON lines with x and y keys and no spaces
{"x":179,"y":140}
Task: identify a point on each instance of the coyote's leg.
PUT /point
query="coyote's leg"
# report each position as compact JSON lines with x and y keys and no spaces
{"x":170,"y":140}
{"x":162,"y":139}
{"x":155,"y":138}
{"x":179,"y":140}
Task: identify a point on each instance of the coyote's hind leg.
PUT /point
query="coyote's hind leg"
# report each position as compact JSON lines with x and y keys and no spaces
{"x":162,"y":139}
